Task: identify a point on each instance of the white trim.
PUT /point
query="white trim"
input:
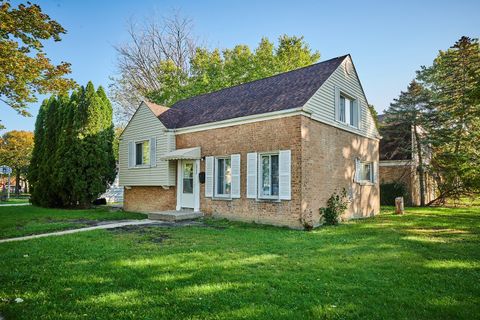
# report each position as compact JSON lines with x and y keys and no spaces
{"x":240,"y":120}
{"x":260,"y":194}
{"x":265,"y":117}
{"x":215,"y":178}
{"x":395,"y":163}
{"x":196,"y":186}
{"x":140,"y":166}
{"x":179,"y":185}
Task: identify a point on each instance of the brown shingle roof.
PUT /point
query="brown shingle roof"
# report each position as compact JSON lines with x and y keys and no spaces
{"x":156,"y":108}
{"x":284,"y":91}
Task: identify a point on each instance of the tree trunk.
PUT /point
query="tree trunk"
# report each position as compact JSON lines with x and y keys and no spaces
{"x":17,"y":181}
{"x":421,"y":169}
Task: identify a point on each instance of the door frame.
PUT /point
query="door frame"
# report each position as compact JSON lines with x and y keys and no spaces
{"x":196,"y":185}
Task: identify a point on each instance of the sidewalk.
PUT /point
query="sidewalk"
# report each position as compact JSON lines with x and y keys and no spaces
{"x":105,"y":226}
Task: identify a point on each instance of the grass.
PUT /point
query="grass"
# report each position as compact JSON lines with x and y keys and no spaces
{"x":422,"y":265}
{"x":15,"y":200}
{"x":28,"y":220}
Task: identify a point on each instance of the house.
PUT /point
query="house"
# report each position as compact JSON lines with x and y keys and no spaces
{"x":399,"y":163}
{"x":270,"y":151}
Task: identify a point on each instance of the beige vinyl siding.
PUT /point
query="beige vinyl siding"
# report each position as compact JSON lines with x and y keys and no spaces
{"x":322,"y":104}
{"x":145,"y":125}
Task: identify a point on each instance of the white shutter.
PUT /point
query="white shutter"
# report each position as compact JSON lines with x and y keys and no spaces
{"x":131,"y":154}
{"x":209,"y":176}
{"x":284,"y":175}
{"x":337,"y":103}
{"x":252,"y":175}
{"x":375,"y":171}
{"x":356,"y":112}
{"x":235,"y":162}
{"x":356,"y":174}
{"x":153,"y":152}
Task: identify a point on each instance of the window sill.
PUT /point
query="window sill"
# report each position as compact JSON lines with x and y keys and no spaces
{"x":220,"y":198}
{"x":347,"y":125}
{"x":365,"y":183}
{"x":141,"y":167}
{"x":277,"y":200}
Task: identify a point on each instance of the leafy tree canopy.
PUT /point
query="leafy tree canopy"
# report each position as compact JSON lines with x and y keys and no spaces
{"x":16,"y":148}
{"x":24,"y":68}
{"x":453,"y":114}
{"x":212,"y":70}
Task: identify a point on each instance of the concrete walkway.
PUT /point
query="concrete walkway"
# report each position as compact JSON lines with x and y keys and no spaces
{"x":105,"y":226}
{"x":15,"y":205}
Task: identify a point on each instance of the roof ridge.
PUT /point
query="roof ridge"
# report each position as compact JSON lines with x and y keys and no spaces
{"x":272,"y":76}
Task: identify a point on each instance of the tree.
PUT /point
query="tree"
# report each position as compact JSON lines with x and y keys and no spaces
{"x":374,"y":114}
{"x":164,"y":63}
{"x":157,"y":55}
{"x":24,"y":68}
{"x":453,"y":115}
{"x":404,"y":116}
{"x":73,"y":162}
{"x":15,"y":151}
{"x":214,"y":70}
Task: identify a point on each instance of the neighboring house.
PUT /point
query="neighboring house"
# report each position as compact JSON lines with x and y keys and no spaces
{"x":399,"y":164}
{"x":270,"y":151}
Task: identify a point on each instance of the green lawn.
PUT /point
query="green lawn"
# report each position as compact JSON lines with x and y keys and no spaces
{"x":423,"y":265}
{"x":26,"y":220}
{"x":15,"y":200}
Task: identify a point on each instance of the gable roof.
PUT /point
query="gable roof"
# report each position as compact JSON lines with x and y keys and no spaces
{"x":156,"y":108}
{"x":283,"y":91}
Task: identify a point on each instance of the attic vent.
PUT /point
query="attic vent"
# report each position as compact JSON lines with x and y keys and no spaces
{"x":348,"y":67}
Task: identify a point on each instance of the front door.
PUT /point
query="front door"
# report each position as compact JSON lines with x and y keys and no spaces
{"x":187,"y":170}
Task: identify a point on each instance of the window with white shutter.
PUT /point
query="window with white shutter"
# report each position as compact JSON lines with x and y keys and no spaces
{"x":235,"y":191}
{"x":252,"y":175}
{"x":285,"y":175}
{"x":209,"y":165}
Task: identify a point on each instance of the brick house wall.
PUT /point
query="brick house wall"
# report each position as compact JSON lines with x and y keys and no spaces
{"x":262,"y":136}
{"x":149,"y":199}
{"x":328,"y":164}
{"x":322,"y":160}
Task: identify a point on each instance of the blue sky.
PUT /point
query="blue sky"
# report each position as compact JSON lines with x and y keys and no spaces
{"x":387,"y":40}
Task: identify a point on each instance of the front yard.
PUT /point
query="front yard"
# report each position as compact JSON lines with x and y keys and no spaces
{"x":425,"y":264}
{"x":27,"y":220}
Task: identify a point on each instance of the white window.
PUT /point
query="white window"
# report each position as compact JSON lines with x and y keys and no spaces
{"x":223,"y":177}
{"x":366,"y":172}
{"x":269,"y":176}
{"x":348,"y":111}
{"x":142,"y":153}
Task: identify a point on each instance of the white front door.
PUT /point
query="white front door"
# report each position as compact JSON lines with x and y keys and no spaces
{"x":187,"y":175}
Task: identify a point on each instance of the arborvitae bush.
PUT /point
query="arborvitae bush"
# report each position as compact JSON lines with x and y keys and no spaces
{"x":73,"y":161}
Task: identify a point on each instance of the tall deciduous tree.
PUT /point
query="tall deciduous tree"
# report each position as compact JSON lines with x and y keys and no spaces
{"x":157,"y":55}
{"x":73,"y":161}
{"x":15,"y":151}
{"x":24,"y":68}
{"x":164,"y":62}
{"x":404,"y":117}
{"x":215,"y":70}
{"x":454,"y":117}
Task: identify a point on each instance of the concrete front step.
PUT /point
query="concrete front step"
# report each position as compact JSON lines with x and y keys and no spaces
{"x":174,"y":215}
